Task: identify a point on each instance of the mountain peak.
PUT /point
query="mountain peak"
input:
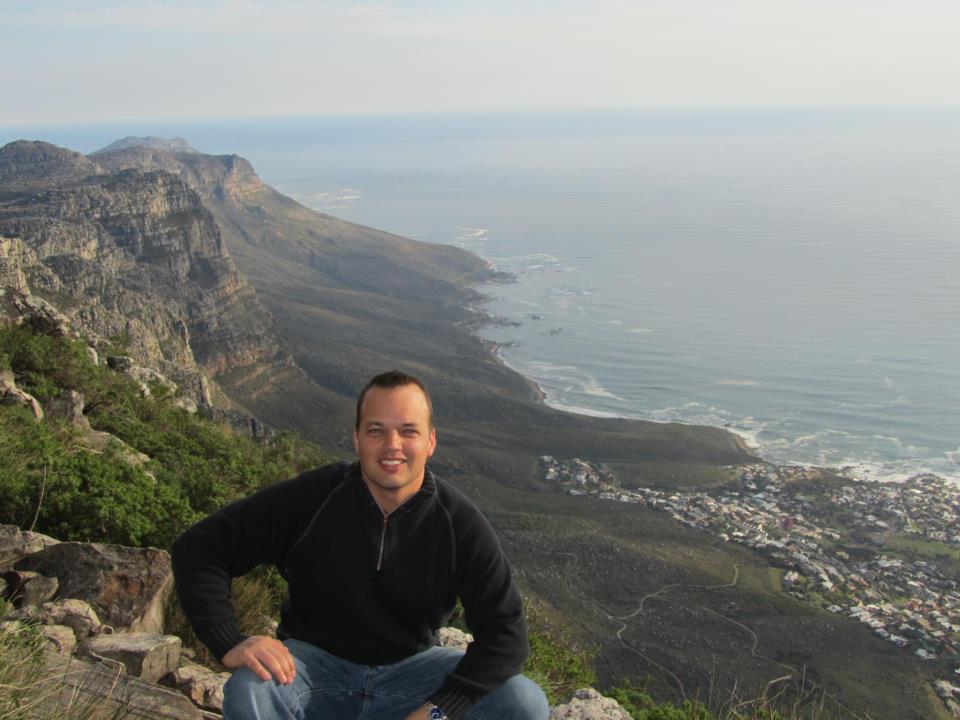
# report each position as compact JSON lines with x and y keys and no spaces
{"x":23,"y":161}
{"x":154,"y":143}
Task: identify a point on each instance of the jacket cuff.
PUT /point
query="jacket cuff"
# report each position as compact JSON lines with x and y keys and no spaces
{"x":454,"y":702}
{"x":220,"y":636}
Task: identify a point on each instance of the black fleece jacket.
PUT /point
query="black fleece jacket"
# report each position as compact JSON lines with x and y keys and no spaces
{"x":367,"y":588}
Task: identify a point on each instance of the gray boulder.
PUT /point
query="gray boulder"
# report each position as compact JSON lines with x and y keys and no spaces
{"x":16,"y":544}
{"x":144,"y":655}
{"x":75,"y":614}
{"x":203,"y":686}
{"x":61,"y":638}
{"x":10,"y":394}
{"x":588,"y":704}
{"x":98,"y":691}
{"x":453,"y":637}
{"x":38,"y":590}
{"x":126,"y":586}
{"x":67,"y":407}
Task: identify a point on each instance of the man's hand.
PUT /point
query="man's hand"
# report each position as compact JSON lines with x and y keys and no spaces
{"x":421,"y":713}
{"x":265,"y":656}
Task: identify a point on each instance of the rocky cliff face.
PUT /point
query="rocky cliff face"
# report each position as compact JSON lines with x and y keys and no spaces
{"x":134,"y":259}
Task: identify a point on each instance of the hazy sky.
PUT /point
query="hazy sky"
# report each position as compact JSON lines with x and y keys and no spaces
{"x":75,"y":61}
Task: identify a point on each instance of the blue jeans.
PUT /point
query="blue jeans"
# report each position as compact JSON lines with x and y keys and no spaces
{"x":329,"y":688}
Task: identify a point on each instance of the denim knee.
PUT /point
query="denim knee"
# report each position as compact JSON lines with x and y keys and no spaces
{"x":520,"y":698}
{"x":247,"y":697}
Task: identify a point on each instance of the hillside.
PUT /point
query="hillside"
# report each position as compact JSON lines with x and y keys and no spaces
{"x":250,"y":302}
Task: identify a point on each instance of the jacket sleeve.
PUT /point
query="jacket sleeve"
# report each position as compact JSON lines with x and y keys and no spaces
{"x":493,"y":610}
{"x":257,"y":530}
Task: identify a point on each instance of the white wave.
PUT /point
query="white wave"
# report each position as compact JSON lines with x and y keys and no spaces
{"x":594,"y":388}
{"x":737,"y":383}
{"x":472,"y":232}
{"x":585,"y":411}
{"x":641,"y":330}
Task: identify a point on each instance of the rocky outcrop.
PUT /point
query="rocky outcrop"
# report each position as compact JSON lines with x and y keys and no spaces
{"x":23,"y":162}
{"x":125,"y":586}
{"x":129,"y":256}
{"x":143,"y":655}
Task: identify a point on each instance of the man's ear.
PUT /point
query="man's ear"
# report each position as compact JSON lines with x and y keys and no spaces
{"x":433,"y":442}
{"x":356,"y":442}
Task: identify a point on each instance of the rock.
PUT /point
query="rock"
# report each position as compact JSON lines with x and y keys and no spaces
{"x":10,"y":394}
{"x":75,"y":614}
{"x":93,"y":355}
{"x":588,"y":704}
{"x":203,"y":686}
{"x":61,"y":637}
{"x":452,"y":637}
{"x":102,"y":691}
{"x":185,"y":403}
{"x":147,"y":375}
{"x":16,"y":544}
{"x":67,"y":407}
{"x":38,"y":590}
{"x":144,"y":655}
{"x":126,"y":586}
{"x":22,"y":308}
{"x":103,"y":442}
{"x":120,"y":363}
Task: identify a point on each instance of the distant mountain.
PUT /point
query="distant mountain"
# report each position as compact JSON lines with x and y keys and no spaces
{"x":24,"y":162}
{"x":157,"y":143}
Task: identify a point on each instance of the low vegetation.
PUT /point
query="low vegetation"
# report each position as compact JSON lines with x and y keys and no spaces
{"x":53,"y":481}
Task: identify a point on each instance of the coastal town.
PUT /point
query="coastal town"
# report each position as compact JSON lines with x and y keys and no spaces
{"x":885,"y":554}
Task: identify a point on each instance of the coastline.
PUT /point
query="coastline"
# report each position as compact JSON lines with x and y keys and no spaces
{"x":854,"y":471}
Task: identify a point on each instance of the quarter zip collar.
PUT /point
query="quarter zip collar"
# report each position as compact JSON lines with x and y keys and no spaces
{"x":427,"y":489}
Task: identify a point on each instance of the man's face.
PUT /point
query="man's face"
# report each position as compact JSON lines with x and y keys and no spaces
{"x":393,"y":442}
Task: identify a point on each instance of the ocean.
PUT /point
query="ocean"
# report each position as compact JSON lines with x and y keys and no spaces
{"x":790,"y":274}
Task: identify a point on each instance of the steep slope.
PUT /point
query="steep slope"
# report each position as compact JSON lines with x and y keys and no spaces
{"x":137,"y":261}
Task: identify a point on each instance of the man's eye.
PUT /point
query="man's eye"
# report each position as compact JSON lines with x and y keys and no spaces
{"x":410,"y":432}
{"x":374,"y":431}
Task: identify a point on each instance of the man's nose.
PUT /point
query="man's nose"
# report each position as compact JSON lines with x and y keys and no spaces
{"x":393,"y":439}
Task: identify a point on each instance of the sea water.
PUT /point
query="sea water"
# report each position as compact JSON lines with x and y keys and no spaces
{"x":792,"y":275}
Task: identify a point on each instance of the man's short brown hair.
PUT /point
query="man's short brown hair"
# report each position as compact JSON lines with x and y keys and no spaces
{"x":393,"y":379}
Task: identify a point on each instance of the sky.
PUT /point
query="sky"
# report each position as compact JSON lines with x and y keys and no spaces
{"x":73,"y":61}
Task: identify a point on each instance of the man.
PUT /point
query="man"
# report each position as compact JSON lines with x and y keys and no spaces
{"x":375,"y":555}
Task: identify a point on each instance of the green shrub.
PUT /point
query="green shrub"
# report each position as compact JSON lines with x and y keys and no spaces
{"x":557,"y":662}
{"x":52,"y":482}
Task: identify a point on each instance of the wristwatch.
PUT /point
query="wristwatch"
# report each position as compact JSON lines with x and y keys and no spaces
{"x":436,"y":713}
